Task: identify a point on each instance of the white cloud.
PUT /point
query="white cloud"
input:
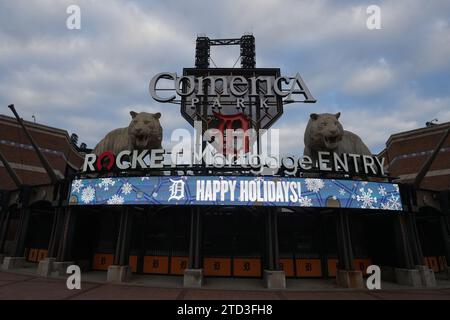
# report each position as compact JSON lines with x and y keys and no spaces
{"x":87,"y":81}
{"x":369,"y":80}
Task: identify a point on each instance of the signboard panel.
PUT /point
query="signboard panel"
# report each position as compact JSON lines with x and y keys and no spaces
{"x":223,"y":87}
{"x":236,"y":191}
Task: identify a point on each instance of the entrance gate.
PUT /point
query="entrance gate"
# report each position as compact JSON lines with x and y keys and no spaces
{"x":233,"y":243}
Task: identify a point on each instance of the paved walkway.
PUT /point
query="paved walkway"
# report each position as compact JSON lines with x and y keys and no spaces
{"x":23,"y":286}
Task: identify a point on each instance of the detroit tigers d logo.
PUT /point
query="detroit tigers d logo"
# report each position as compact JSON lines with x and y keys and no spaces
{"x":233,"y":122}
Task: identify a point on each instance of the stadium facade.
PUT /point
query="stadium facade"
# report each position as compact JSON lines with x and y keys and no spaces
{"x":197,"y":222}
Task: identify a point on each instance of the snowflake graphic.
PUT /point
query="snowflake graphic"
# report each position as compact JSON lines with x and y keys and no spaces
{"x":342,"y":192}
{"x":382,"y":191}
{"x":88,"y":194}
{"x":77,"y":185}
{"x":106,"y":182}
{"x":314,"y":185}
{"x":353,"y":196}
{"x":127,"y":188}
{"x":145,"y":178}
{"x":305,"y":201}
{"x":392,"y":203}
{"x":155,"y":194}
{"x":366,"y":198}
{"x":115,"y":199}
{"x":396,"y":188}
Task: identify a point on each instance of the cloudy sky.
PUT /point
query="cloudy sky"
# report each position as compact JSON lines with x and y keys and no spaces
{"x":86,"y":81}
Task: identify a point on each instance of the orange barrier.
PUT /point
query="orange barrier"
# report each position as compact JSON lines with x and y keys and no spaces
{"x":133,"y":263}
{"x":178,"y":265}
{"x":332,"y":267}
{"x":217,"y":266}
{"x":287,"y":265}
{"x":42,"y":254}
{"x":156,"y":264}
{"x":33,"y":254}
{"x":102,"y":261}
{"x":247,"y":267}
{"x":362,"y":264}
{"x":308,"y":267}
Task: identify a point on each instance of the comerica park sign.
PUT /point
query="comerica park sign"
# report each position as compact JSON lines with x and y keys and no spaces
{"x":237,"y":86}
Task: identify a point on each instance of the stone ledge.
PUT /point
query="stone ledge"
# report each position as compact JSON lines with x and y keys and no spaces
{"x":118,"y":274}
{"x":45,"y":267}
{"x":427,"y":276}
{"x":193,"y":278}
{"x":13,"y":263}
{"x":275,"y":279}
{"x":408,"y":277}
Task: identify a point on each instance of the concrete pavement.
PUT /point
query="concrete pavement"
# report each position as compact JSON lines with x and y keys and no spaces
{"x":21,"y":286}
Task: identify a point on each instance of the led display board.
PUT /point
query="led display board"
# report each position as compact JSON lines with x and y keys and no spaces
{"x":236,"y":191}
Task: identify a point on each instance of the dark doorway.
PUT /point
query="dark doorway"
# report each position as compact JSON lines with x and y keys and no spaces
{"x":307,"y":243}
{"x":432,"y":230}
{"x":39,"y":231}
{"x":381,"y":246}
{"x":165,"y":235}
{"x":233,"y":242}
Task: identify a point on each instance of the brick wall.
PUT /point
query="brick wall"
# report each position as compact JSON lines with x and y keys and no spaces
{"x":15,"y":146}
{"x":406,"y":152}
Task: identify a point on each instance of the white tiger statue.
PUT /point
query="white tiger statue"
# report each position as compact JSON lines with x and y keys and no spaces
{"x":324,"y":132}
{"x":144,"y":132}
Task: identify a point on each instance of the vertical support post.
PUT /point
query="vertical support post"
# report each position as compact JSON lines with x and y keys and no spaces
{"x":444,"y":221}
{"x":122,"y":252}
{"x":18,"y":258}
{"x":416,"y":247}
{"x":22,"y":231}
{"x":45,"y":266}
{"x":342,"y":260}
{"x":24,"y":223}
{"x":349,"y":246}
{"x":117,"y":250}
{"x":347,"y":276}
{"x":445,"y":236}
{"x":4,"y":230}
{"x":405,"y":259}
{"x":57,"y":228}
{"x":193,"y":276}
{"x":195,"y":239}
{"x":322,"y":244}
{"x":2,"y":208}
{"x":61,"y":244}
{"x":198,"y":228}
{"x":274,"y":278}
{"x":120,"y":271}
{"x":411,"y":225}
{"x":269,"y":240}
{"x":406,"y":273}
{"x":5,"y":217}
{"x":67,"y":235}
{"x":276,"y":252}
{"x":345,"y":252}
{"x":191,"y":262}
{"x":126,"y":237}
